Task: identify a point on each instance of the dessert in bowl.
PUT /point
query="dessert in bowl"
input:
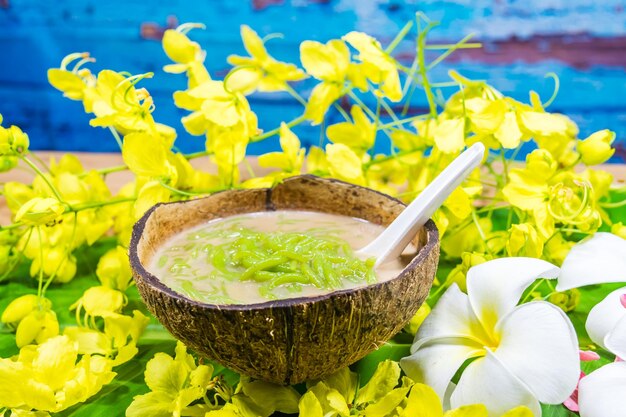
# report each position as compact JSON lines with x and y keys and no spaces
{"x":293,"y":336}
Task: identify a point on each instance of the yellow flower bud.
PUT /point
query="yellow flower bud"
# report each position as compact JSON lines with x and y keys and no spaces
{"x":417,"y":320}
{"x":459,"y":274}
{"x":596,"y":149}
{"x":22,"y":306}
{"x":619,"y":229}
{"x":13,"y":141}
{"x":7,"y":163}
{"x":38,"y":326}
{"x":113,"y":269}
{"x":567,"y":300}
{"x":524,"y":241}
{"x":39,"y":211}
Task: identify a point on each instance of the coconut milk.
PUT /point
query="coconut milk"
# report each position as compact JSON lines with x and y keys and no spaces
{"x":181,"y":264}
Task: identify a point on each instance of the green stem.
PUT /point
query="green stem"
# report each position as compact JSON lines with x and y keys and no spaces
{"x":399,"y":37}
{"x":40,"y":285}
{"x":105,"y":171}
{"x":358,"y":101}
{"x":389,"y":110}
{"x":403,"y":121}
{"x":532,"y":290}
{"x":43,"y":176}
{"x":447,"y":53}
{"x":474,"y":45}
{"x":275,"y":131}
{"x":295,"y":94}
{"x":389,"y":157}
{"x":421,"y":61}
{"x":98,"y":204}
{"x":195,"y":155}
{"x":613,"y":205}
{"x":116,"y":136}
{"x":342,"y":112}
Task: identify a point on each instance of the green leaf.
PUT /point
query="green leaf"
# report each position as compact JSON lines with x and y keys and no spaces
{"x":558,"y":410}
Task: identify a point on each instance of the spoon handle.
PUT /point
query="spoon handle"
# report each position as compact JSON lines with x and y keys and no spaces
{"x":392,"y":241}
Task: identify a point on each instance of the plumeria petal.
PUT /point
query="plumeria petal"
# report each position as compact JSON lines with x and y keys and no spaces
{"x":489,"y":382}
{"x":615,"y":341}
{"x":599,"y":259}
{"x":495,"y":287}
{"x":604,"y":316}
{"x":539,"y":346}
{"x":601,"y":393}
{"x":435,"y":364}
{"x":451,"y":317}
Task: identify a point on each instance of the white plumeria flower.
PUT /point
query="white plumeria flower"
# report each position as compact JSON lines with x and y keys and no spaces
{"x":601,"y":393}
{"x":522,"y":355}
{"x":606,"y":323}
{"x":595,"y":260}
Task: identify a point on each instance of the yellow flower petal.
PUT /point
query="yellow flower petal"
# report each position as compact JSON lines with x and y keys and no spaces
{"x":450,"y":135}
{"x":178,"y":47}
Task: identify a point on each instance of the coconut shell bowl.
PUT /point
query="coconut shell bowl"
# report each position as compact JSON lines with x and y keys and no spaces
{"x":293,"y":340}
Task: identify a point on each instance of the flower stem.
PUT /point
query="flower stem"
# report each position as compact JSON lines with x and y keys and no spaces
{"x":421,"y":61}
{"x":43,"y":177}
{"x":116,"y":136}
{"x":275,"y":131}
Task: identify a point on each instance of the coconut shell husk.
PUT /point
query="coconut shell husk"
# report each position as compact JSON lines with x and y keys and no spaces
{"x":293,"y":340}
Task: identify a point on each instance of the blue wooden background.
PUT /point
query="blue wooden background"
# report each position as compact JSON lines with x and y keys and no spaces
{"x":583,"y":42}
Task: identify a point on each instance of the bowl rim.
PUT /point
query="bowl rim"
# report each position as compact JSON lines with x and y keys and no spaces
{"x":432,"y":239}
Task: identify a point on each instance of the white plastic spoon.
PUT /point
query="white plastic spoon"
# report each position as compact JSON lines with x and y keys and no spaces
{"x":395,"y":238}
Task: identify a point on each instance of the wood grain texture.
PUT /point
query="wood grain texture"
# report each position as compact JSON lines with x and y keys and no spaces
{"x":580,"y":41}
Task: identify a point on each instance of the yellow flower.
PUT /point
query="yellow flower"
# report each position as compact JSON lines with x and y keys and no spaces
{"x":99,"y":301}
{"x":449,"y":135}
{"x":417,"y":320}
{"x":117,"y":103}
{"x":213,"y":107}
{"x":21,"y":307}
{"x":37,"y":326}
{"x":40,"y":211}
{"x":316,"y":161}
{"x":459,"y":274}
{"x":48,"y":377}
{"x":528,"y":188}
{"x":13,"y":141}
{"x":259,"y":71}
{"x":113,"y":269}
{"x":328,"y":63}
{"x":378,"y":66}
{"x":56,"y":261}
{"x":524,"y":241}
{"x":556,"y":248}
{"x":291,"y":158}
{"x":174,"y":384}
{"x":344,"y":164}
{"x":619,"y":229}
{"x":187,"y":55}
{"x":596,"y":149}
{"x":359,"y":135}
{"x":117,"y":342}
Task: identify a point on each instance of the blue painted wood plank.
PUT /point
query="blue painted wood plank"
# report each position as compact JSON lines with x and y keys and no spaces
{"x":578,"y":40}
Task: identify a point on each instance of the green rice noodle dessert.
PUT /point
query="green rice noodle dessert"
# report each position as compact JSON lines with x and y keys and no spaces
{"x":259,"y":257}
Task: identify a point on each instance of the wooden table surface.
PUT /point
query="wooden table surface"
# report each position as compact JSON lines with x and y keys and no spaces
{"x":116,"y":180}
